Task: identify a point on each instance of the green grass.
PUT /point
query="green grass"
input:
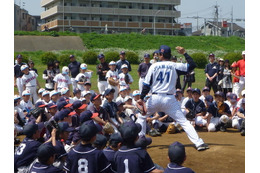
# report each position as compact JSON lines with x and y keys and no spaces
{"x":199,"y":75}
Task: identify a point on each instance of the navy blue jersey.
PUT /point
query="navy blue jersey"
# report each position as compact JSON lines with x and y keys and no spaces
{"x":211,"y":69}
{"x":17,"y":70}
{"x":111,"y":108}
{"x":213,"y":109}
{"x":174,"y":168}
{"x":85,"y":158}
{"x":110,"y":153}
{"x":40,"y":168}
{"x":197,"y":107}
{"x":102,"y":113}
{"x":119,"y":63}
{"x":133,"y":160}
{"x":74,"y":68}
{"x":26,"y":152}
{"x":75,"y":120}
{"x":60,"y":150}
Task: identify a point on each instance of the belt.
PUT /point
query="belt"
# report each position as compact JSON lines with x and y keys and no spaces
{"x":161,"y":93}
{"x":31,"y":86}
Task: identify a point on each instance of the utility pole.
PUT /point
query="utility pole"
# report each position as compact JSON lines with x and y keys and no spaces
{"x":216,"y":19}
{"x":232,"y":21}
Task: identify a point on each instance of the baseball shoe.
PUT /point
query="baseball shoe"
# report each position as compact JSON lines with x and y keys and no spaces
{"x":157,"y":132}
{"x":222,"y":128}
{"x":202,"y":147}
{"x":152,"y":133}
{"x":243,"y":132}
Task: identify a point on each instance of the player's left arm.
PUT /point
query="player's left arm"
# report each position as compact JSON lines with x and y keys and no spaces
{"x":189,"y":60}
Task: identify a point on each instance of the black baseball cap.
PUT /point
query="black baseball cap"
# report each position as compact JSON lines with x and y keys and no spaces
{"x":176,"y":152}
{"x":115,"y":138}
{"x":130,"y":130}
{"x":196,"y":90}
{"x":143,"y":142}
{"x":101,"y":140}
{"x":146,"y":55}
{"x":88,"y":129}
{"x":109,"y":90}
{"x":30,"y":129}
{"x":46,"y":150}
{"x":64,"y":127}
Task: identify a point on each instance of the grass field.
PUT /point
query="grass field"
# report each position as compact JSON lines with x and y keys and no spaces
{"x":199,"y":75}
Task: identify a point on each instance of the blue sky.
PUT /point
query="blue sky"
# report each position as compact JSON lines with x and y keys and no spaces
{"x":188,"y":8}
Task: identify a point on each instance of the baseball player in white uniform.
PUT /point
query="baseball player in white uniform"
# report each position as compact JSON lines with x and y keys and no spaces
{"x":62,"y":79}
{"x":30,"y":82}
{"x":161,"y":81}
{"x":83,"y":76}
{"x":113,"y":78}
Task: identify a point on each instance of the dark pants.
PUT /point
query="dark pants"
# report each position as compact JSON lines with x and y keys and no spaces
{"x":212,"y":84}
{"x":185,"y":83}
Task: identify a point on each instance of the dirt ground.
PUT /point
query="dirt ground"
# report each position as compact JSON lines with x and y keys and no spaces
{"x":226,"y":153}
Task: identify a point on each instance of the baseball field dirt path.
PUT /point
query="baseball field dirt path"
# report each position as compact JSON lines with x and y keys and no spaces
{"x":226,"y":153}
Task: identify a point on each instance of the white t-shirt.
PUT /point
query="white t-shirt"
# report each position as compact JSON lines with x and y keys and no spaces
{"x":122,"y":79}
{"x":112,"y":74}
{"x":29,"y":79}
{"x":162,"y":76}
{"x":26,"y":105}
{"x":86,"y":75}
{"x":62,"y":81}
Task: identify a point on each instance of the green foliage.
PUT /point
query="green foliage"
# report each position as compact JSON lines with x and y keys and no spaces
{"x":200,"y":59}
{"x":132,"y":57}
{"x":48,"y":57}
{"x":64,"y":59}
{"x":54,"y":34}
{"x":233,"y":56}
{"x":90,"y":57}
{"x":25,"y":57}
{"x":111,"y":56}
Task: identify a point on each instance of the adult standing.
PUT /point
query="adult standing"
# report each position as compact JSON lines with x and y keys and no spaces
{"x":211,"y":72}
{"x":161,"y":81}
{"x":220,"y":73}
{"x":122,"y":61}
{"x":227,"y":78}
{"x":31,"y":66}
{"x":74,"y":67}
{"x":241,"y":65}
{"x":102,"y":70}
{"x":143,"y":69}
{"x":48,"y":75}
{"x":18,"y":74}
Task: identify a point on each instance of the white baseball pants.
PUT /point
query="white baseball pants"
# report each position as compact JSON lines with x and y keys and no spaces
{"x":102,"y":86}
{"x":74,"y":83}
{"x":169,"y":105}
{"x":19,"y":85}
{"x":33,"y":91}
{"x":236,"y":89}
{"x":141,"y":80}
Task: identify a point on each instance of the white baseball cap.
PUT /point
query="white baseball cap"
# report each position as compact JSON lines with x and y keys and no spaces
{"x":44,"y":93}
{"x":83,"y":93}
{"x":124,"y":66}
{"x":243,"y":52}
{"x":26,"y":93}
{"x":53,"y":92}
{"x":84,"y":66}
{"x":112,"y":63}
{"x":65,"y":70}
{"x":136,"y":93}
{"x":41,"y":90}
{"x":16,"y":97}
{"x":23,"y":67}
{"x":122,"y":88}
{"x":64,"y":90}
{"x":127,"y":98}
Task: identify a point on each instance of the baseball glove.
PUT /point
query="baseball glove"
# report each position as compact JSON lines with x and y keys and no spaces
{"x":221,"y":107}
{"x":108,"y":129}
{"x":127,"y":80}
{"x":141,"y":108}
{"x":82,"y":78}
{"x":171,"y":129}
{"x":191,"y":115}
{"x":112,"y":82}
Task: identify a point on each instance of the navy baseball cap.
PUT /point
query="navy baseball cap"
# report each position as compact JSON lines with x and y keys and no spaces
{"x":189,"y":89}
{"x":219,"y":93}
{"x":212,"y":54}
{"x":205,"y":89}
{"x":64,"y":127}
{"x":122,"y":53}
{"x":40,"y":104}
{"x":130,"y":130}
{"x":146,"y":55}
{"x":75,"y":91}
{"x":209,"y":98}
{"x":233,"y":98}
{"x":46,"y":150}
{"x":63,"y":99}
{"x":62,"y":114}
{"x":101,"y":56}
{"x":88,"y":129}
{"x":30,"y":129}
{"x":101,"y":140}
{"x":156,"y":51}
{"x":143,"y":142}
{"x":19,"y":56}
{"x":229,"y":94}
{"x":87,"y":115}
{"x":109,"y":90}
{"x":78,"y":105}
{"x":63,"y":104}
{"x":176,"y":152}
{"x":179,"y":90}
{"x":72,"y":56}
{"x":197,"y":90}
{"x":94,"y":97}
{"x":165,"y":49}
{"x":115,"y":138}
{"x":51,"y":105}
{"x":87,"y":83}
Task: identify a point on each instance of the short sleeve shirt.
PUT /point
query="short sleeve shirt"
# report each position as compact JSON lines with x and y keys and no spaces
{"x":122,"y":79}
{"x":29,"y":79}
{"x":62,"y":80}
{"x":213,"y":109}
{"x":211,"y":69}
{"x":41,"y":168}
{"x":174,"y":168}
{"x":143,"y":69}
{"x":74,"y":68}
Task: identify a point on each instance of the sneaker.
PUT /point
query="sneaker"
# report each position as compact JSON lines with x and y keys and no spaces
{"x":243,"y":132}
{"x":202,"y":147}
{"x":152,"y":133}
{"x":157,"y":132}
{"x":222,"y":128}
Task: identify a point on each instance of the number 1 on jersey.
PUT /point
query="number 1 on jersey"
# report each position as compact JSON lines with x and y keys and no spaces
{"x":162,"y":76}
{"x":126,"y":166}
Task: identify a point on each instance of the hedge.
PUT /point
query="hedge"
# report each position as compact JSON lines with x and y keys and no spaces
{"x":132,"y":57}
{"x":90,"y":57}
{"x":111,"y":56}
{"x":200,"y":59}
{"x":48,"y":57}
{"x":233,"y":56}
{"x":64,"y":59}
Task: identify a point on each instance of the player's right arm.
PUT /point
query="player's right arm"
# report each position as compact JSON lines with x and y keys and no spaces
{"x":148,"y":81}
